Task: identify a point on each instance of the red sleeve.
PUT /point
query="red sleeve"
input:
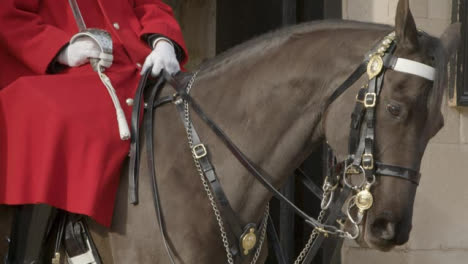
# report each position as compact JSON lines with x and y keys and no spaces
{"x":26,"y":36}
{"x":157,"y":18}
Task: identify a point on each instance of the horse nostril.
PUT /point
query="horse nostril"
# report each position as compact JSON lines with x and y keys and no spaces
{"x":384,"y":229}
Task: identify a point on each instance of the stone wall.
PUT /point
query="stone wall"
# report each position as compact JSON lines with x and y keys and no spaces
{"x":440,"y":232}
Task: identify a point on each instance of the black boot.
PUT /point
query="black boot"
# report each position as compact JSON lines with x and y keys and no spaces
{"x":31,"y":226}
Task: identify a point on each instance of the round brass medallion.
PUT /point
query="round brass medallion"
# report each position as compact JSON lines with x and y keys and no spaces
{"x":364,"y":200}
{"x":249,"y":240}
{"x":375,"y":66}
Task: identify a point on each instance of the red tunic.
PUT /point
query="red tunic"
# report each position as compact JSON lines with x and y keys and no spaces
{"x":59,"y":141}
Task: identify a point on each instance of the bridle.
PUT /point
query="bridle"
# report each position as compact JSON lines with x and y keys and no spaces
{"x":241,"y":240}
{"x":360,"y":160}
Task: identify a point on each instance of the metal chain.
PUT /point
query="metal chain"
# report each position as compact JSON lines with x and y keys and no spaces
{"x":262,"y":234}
{"x":210,"y":194}
{"x":312,"y":237}
{"x":202,"y":177}
{"x":189,"y":85}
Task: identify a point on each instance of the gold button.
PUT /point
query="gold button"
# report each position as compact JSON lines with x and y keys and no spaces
{"x":138,"y":65}
{"x":129,"y":101}
{"x":116,"y":25}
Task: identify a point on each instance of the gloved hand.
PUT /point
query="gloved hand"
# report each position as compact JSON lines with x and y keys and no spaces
{"x":162,"y":57}
{"x":79,"y":52}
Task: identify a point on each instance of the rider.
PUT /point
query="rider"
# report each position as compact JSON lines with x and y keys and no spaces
{"x":59,"y":139}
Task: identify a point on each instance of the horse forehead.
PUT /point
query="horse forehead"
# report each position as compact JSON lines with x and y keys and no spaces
{"x":406,"y":87}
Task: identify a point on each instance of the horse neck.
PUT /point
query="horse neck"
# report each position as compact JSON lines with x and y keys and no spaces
{"x":270,"y":103}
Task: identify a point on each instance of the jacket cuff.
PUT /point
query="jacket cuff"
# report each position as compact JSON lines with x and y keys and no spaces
{"x":180,"y":54}
{"x":54,"y":66}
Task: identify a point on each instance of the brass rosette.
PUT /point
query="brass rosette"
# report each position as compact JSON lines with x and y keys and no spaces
{"x":248,"y":241}
{"x":364,"y":200}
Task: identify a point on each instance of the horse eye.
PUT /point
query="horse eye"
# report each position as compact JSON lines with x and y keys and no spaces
{"x":394,"y":109}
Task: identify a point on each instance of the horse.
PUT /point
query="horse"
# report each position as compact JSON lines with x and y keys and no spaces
{"x":269,"y":96}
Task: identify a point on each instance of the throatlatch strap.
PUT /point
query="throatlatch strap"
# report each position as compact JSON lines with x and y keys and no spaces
{"x":356,"y":121}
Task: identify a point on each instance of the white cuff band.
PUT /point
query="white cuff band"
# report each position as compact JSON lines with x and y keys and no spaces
{"x":159,"y":39}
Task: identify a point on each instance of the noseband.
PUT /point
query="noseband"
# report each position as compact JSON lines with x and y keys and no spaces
{"x":241,"y":240}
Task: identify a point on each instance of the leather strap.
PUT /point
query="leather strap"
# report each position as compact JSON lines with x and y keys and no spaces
{"x":382,"y":169}
{"x":398,"y":172}
{"x":358,"y":72}
{"x":372,"y":94}
{"x":334,"y":213}
{"x":309,"y":184}
{"x":240,"y":156}
{"x":356,"y":121}
{"x":134,"y":163}
{"x":234,"y":223}
{"x":149,"y":128}
{"x":329,"y":162}
{"x":275,"y":242}
{"x":62,"y":218}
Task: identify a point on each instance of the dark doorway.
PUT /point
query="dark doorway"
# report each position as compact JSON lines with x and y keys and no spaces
{"x":240,"y":20}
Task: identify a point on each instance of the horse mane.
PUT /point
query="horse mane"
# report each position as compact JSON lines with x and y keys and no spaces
{"x":435,"y":49}
{"x":272,"y":39}
{"x":275,"y":38}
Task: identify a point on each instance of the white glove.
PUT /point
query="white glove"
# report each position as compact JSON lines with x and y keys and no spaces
{"x":79,"y":52}
{"x":162,"y":57}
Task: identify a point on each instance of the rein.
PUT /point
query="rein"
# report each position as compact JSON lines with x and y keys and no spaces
{"x":240,"y":240}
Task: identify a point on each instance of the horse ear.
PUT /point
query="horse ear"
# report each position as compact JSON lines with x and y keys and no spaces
{"x":405,"y":27}
{"x":450,"y":39}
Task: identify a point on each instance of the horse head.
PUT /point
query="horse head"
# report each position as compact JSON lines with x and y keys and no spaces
{"x":407,"y":116}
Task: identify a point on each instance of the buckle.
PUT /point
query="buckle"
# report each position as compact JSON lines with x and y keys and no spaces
{"x":353,"y":170}
{"x":370,"y":100}
{"x":199,"y":151}
{"x":368,"y":161}
{"x":177,"y":99}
